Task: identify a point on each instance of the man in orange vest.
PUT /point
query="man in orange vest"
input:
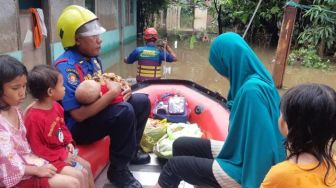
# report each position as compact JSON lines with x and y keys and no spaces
{"x":150,"y":56}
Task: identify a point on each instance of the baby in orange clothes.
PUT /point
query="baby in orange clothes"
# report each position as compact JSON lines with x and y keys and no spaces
{"x":89,"y":91}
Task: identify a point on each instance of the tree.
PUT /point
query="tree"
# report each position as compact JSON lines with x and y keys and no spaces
{"x":146,"y":9}
{"x":218,"y":4}
{"x":237,"y":13}
{"x":320,"y":29}
{"x":216,"y":9}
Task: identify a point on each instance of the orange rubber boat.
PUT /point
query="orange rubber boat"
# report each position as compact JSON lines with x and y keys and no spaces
{"x":206,"y":108}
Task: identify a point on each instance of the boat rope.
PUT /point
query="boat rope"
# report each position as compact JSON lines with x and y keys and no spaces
{"x":250,"y":22}
{"x":306,"y":7}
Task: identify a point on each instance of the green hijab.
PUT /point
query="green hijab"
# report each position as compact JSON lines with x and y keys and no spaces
{"x":254,"y":143}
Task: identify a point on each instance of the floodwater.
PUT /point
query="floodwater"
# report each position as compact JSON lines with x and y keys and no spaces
{"x":193,"y":65}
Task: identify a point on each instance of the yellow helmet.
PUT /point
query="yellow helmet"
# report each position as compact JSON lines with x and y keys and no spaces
{"x":71,"y":18}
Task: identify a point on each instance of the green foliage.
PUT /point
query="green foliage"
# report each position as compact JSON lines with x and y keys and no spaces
{"x":193,"y":40}
{"x":321,"y":25}
{"x":237,"y":13}
{"x":308,"y":57}
{"x":241,"y":16}
{"x":315,"y":23}
{"x":273,"y":12}
{"x":180,"y":35}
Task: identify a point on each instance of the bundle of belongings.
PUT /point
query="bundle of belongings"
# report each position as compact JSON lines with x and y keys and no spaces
{"x":90,"y":90}
{"x":164,"y":147}
{"x":154,"y":130}
{"x":172,"y":107}
{"x":169,"y":122}
{"x":116,"y":78}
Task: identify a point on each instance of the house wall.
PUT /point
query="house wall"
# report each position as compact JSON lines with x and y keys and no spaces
{"x":14,"y":35}
{"x":107,"y":12}
{"x":200,"y":19}
{"x":129,"y":30}
{"x":56,"y":48}
{"x":173,"y":18}
{"x":30,"y":54}
{"x":175,"y":15}
{"x":9,"y":28}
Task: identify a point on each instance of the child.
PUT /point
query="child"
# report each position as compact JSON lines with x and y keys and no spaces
{"x":308,"y":120}
{"x":46,"y":131}
{"x":19,"y":167}
{"x":89,"y":91}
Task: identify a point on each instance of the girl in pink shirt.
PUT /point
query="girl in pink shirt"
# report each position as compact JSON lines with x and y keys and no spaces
{"x":18,"y":166}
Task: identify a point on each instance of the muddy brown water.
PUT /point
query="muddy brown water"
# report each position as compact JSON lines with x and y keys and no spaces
{"x":193,"y":65}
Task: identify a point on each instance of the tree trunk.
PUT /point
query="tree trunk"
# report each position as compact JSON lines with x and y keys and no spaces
{"x":321,"y":48}
{"x":219,"y":20}
{"x":140,"y":17}
{"x":165,"y":21}
{"x":283,"y":48}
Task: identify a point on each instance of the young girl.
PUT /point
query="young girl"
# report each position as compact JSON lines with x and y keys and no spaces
{"x":18,"y":166}
{"x":308,"y":120}
{"x":46,"y":131}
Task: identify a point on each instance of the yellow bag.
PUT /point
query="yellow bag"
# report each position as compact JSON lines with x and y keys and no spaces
{"x":154,"y":130}
{"x":164,"y":147}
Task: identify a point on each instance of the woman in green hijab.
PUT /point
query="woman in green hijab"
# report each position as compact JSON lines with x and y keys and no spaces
{"x":254,"y":142}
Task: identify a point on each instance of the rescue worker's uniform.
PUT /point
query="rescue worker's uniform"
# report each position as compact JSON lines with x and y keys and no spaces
{"x":123,"y":122}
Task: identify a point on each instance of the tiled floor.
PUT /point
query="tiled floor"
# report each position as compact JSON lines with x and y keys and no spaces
{"x":147,"y":175}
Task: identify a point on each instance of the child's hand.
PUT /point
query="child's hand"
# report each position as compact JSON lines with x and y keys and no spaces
{"x":47,"y":170}
{"x":70,"y":148}
{"x":71,"y":156}
{"x":127,"y":93}
{"x":69,"y":159}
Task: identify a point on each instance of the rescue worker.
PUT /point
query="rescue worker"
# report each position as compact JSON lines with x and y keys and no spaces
{"x":124,"y":122}
{"x":150,"y":56}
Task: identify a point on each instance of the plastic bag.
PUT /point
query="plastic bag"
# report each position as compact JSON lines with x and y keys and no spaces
{"x":154,"y":130}
{"x":164,"y":147}
{"x":176,"y":105}
{"x":172,"y":107}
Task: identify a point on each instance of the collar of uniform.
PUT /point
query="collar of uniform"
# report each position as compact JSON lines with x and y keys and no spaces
{"x":77,"y":57}
{"x":150,"y":44}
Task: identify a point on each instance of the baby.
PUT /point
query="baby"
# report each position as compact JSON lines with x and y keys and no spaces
{"x":89,"y":91}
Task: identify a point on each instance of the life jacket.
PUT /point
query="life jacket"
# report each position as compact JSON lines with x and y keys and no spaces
{"x":149,"y":64}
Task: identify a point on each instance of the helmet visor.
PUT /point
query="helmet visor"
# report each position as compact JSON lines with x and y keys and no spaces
{"x":90,"y":29}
